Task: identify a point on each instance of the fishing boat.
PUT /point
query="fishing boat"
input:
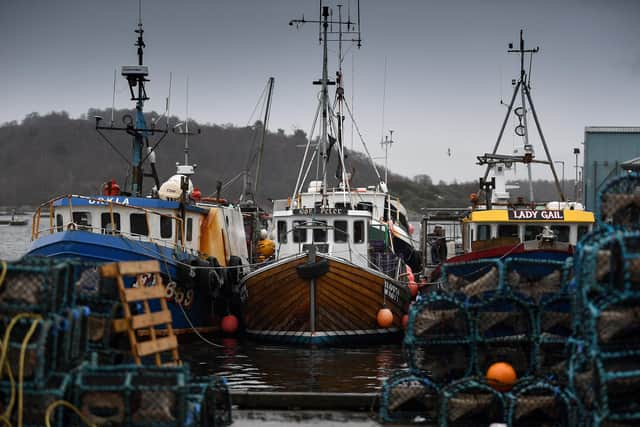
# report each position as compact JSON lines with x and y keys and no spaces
{"x":340,"y":252}
{"x":199,"y":242}
{"x":500,"y":226}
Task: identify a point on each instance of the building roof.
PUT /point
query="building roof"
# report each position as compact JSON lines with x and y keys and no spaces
{"x":612,"y":129}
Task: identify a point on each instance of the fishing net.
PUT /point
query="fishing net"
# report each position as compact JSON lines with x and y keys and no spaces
{"x":542,"y":404}
{"x":489,"y":281}
{"x":551,"y":359}
{"x":439,"y":316}
{"x":504,"y":315}
{"x":515,"y":350}
{"x":535,"y":278}
{"x":441,"y":361}
{"x":618,"y":322}
{"x":555,"y":315}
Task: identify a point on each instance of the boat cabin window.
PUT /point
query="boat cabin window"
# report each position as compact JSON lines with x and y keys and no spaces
{"x":138,"y":224}
{"x":508,"y":230}
{"x":59,"y":222}
{"x":484,"y":232}
{"x":358,"y":232}
{"x":282,"y":231}
{"x":82,"y":220}
{"x":189,"y":229}
{"x":531,"y":232}
{"x":106,"y":225}
{"x":166,"y":227}
{"x":582,"y":230}
{"x":340,"y":231}
{"x":561,"y":232}
{"x":299,"y":234}
{"x":403,"y":221}
{"x":365,"y":206}
{"x":320,"y":234}
{"x":342,"y":205}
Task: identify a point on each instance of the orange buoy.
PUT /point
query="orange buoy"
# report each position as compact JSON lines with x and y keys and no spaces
{"x":385,"y":318}
{"x":405,"y":321}
{"x":501,"y":376}
{"x":413,"y":288}
{"x":229,"y":324}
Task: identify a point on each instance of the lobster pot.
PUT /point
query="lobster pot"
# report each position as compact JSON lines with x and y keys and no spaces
{"x":534,"y":279}
{"x":470,"y":402}
{"x":555,"y":315}
{"x":581,"y":378}
{"x":542,"y":404}
{"x":42,"y":351}
{"x":610,"y":264}
{"x":615,"y":323}
{"x":73,"y":337}
{"x":36,"y":400}
{"x":618,"y":203}
{"x":552,"y":354}
{"x":88,"y":284}
{"x":442,"y":361}
{"x":596,"y":419}
{"x":472,"y":278}
{"x":208,"y":403}
{"x":36,"y":285}
{"x":616,"y":383}
{"x":132,"y":395}
{"x":514,"y":350}
{"x":504,"y":315}
{"x":406,"y":396}
{"x":438,"y":316}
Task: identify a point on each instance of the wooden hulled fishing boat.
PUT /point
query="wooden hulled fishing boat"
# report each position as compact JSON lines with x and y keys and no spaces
{"x":341,"y":252}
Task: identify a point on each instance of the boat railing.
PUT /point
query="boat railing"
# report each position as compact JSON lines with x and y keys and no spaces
{"x":111,"y":228}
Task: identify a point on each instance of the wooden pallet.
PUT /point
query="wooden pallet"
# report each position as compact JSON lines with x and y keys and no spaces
{"x":155,"y":341}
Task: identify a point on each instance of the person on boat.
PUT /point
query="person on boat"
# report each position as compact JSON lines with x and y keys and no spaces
{"x":438,"y":245}
{"x":265,"y":247}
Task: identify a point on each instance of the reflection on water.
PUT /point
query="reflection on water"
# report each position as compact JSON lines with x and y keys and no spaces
{"x":256,"y":366}
{"x":14,"y":239}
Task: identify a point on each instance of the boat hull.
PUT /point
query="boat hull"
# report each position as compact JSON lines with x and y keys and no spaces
{"x":331,"y":301}
{"x":93,"y":247}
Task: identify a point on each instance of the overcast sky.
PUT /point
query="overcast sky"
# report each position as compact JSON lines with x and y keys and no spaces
{"x":447,"y":67}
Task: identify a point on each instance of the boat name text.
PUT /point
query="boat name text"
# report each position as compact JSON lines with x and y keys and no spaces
{"x":531,"y":214}
{"x":319,"y":211}
{"x":105,"y":200}
{"x":391,"y":291}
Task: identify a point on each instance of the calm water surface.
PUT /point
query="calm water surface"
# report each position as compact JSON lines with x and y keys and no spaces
{"x":257,"y":366}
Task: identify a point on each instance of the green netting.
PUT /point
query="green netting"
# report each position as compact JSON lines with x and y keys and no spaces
{"x":471,"y":402}
{"x":537,"y":402}
{"x":618,"y":203}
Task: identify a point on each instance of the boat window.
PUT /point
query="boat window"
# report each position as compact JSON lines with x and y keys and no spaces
{"x":508,"y":230}
{"x":106,"y":225}
{"x":365,"y":206}
{"x":82,"y":220}
{"x":166,"y":227}
{"x":189,"y":229}
{"x":282,"y":231}
{"x":531,"y":232}
{"x":358,"y":232}
{"x":403,"y":221}
{"x":342,"y":205}
{"x":138,"y":224}
{"x":484,"y":232}
{"x":582,"y":230}
{"x":299,"y":234}
{"x":320,"y":234}
{"x":561,"y":232}
{"x":340,"y":231}
{"x":59,"y":222}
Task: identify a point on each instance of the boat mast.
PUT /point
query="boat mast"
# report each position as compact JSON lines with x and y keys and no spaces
{"x":267,"y":112}
{"x":136,"y":76}
{"x":522,"y":87}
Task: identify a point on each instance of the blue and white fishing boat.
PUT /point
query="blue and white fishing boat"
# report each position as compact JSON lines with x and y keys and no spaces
{"x":199,"y":242}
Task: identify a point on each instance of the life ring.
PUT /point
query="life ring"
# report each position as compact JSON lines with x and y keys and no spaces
{"x":71,"y":226}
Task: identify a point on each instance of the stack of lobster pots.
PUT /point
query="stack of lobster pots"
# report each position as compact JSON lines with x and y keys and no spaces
{"x":61,"y":365}
{"x":605,"y":359}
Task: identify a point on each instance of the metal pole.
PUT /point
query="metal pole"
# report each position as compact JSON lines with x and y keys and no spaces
{"x":561,"y":162}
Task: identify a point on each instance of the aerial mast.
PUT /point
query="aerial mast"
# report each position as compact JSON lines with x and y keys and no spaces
{"x":522,"y":87}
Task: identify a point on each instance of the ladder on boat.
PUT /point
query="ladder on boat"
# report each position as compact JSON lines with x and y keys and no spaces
{"x":146,"y":288}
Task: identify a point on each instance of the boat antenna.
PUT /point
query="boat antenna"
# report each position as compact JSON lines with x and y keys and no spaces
{"x":324,"y":22}
{"x":136,"y":76}
{"x":113,"y":98}
{"x":523,"y":87}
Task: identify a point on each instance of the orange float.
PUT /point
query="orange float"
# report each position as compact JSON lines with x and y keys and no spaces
{"x":501,"y":376}
{"x":229,"y":324}
{"x":385,"y":318}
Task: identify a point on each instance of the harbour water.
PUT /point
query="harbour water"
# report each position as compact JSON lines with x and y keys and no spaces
{"x":249,"y":365}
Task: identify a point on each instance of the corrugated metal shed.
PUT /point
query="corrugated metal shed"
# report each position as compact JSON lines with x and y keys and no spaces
{"x":606,"y":148}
